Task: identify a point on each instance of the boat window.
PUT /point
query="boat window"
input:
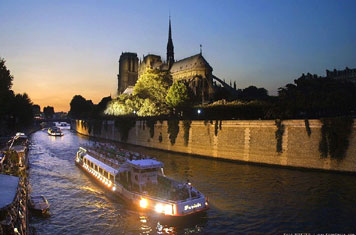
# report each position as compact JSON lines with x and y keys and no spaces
{"x":100,"y":170}
{"x":136,"y":170}
{"x":111,"y":177}
{"x":149,"y":170}
{"x":96,"y":167}
{"x":106,"y":174}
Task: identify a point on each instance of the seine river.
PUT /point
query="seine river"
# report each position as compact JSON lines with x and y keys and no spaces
{"x":244,"y":198}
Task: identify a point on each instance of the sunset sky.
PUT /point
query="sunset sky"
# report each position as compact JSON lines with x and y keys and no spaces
{"x":57,"y":49}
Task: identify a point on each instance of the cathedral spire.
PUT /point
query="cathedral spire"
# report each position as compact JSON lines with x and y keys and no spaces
{"x":170,"y":47}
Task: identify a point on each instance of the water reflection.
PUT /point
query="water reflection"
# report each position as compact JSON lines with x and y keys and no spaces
{"x":243,"y":198}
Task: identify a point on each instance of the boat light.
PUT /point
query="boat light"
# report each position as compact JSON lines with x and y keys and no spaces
{"x":113,"y":188}
{"x":159,"y":208}
{"x":143,"y":203}
{"x":168,"y":210}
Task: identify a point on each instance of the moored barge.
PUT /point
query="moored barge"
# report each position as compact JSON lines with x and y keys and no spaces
{"x":140,"y":181}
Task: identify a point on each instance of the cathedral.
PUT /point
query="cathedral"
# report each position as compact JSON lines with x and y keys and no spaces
{"x":193,"y":70}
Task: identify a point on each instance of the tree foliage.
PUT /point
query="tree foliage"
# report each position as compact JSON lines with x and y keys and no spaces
{"x":315,"y":96}
{"x":16,"y":109}
{"x":5,"y":77}
{"x":253,"y":93}
{"x":148,"y":98}
{"x":48,"y":112}
{"x":80,"y":108}
{"x":178,"y":95}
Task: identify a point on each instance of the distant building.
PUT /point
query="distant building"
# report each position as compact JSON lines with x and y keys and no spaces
{"x":194,"y":70}
{"x":349,"y":74}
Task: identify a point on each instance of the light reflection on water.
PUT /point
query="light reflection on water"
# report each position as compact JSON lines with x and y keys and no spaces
{"x":243,"y":198}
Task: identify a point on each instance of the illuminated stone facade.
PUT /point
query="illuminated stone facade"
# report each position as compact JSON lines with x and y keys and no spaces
{"x":194,"y":70}
{"x":197,"y":73}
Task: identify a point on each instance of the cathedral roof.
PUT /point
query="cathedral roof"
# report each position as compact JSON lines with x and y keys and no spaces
{"x":195,"y":61}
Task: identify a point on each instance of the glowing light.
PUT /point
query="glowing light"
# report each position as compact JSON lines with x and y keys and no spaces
{"x":168,"y":210}
{"x":114,"y":188}
{"x":143,"y":203}
{"x":199,"y":111}
{"x":190,"y":207}
{"x":159,"y":208}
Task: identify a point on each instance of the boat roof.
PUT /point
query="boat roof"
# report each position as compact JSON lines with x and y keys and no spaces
{"x":101,"y":164}
{"x":146,"y":163}
{"x":8,"y":189}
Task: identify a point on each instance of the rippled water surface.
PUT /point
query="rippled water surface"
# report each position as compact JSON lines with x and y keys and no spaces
{"x":243,"y":198}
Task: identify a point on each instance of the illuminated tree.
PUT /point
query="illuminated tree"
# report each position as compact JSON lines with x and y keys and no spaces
{"x":148,"y":98}
{"x":122,"y":105}
{"x":178,"y":95}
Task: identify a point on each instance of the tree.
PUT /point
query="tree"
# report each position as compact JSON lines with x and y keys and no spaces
{"x":5,"y":77}
{"x":178,"y":95}
{"x":16,"y":110}
{"x":48,"y":112}
{"x":152,"y":86}
{"x":6,"y":94}
{"x":80,"y":107}
{"x":36,"y":109}
{"x":253,"y":93}
{"x":148,"y":98}
{"x":120,"y":106}
{"x":314,"y":96}
{"x":101,"y":106}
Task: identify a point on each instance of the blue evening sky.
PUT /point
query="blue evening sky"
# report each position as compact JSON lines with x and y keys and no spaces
{"x":56,"y":49}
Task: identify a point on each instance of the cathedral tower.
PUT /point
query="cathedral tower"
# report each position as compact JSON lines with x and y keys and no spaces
{"x":170,"y":47}
{"x":128,"y":71}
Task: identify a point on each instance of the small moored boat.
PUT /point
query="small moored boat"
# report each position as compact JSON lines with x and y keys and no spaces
{"x":39,"y":204}
{"x":140,"y":181}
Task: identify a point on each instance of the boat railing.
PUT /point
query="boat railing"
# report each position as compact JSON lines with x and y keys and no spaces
{"x":102,"y":158}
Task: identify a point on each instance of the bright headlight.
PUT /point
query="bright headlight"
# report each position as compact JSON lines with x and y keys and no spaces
{"x":168,"y":210}
{"x":159,"y":208}
{"x":143,"y":203}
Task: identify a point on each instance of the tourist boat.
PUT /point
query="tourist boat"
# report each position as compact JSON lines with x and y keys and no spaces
{"x":55,"y":131}
{"x":39,"y":204}
{"x":140,"y":181}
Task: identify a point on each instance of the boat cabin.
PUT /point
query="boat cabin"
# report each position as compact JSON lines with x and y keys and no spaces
{"x":144,"y":172}
{"x":107,"y":172}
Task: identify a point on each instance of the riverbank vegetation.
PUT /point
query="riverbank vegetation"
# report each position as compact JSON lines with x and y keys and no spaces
{"x":16,"y":112}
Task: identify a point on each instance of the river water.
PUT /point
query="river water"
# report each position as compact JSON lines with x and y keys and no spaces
{"x":243,"y":198}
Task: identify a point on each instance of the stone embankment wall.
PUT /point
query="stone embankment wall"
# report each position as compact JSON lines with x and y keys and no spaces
{"x":257,"y":141}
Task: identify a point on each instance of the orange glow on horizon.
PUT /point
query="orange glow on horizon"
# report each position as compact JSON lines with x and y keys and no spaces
{"x":56,"y":84}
